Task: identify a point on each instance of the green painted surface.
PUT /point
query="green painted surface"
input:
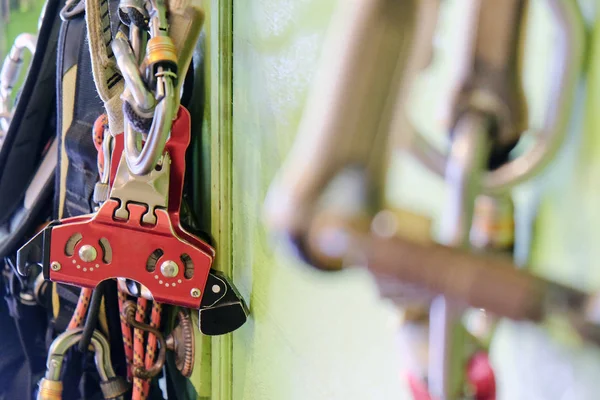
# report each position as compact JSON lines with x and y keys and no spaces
{"x":316,"y":336}
{"x":310,"y":335}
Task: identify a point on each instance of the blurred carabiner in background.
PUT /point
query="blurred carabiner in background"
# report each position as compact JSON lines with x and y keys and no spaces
{"x":329,"y":199}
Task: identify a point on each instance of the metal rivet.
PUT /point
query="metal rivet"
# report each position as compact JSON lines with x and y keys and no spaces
{"x":88,"y":253}
{"x":216,"y":288}
{"x":195,"y":292}
{"x":169,"y":269}
{"x":55,"y":266}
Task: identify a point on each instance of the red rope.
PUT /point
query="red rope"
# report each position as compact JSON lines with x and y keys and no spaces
{"x":151,"y":344}
{"x":126,"y":333}
{"x":138,"y":350}
{"x":81,"y":309}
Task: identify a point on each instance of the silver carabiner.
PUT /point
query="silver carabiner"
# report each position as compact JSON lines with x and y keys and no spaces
{"x":134,"y":14}
{"x":143,"y":159}
{"x":126,"y":60}
{"x":161,"y":69}
{"x":51,"y":386}
{"x":9,"y":75}
{"x":570,"y":49}
{"x":466,"y":166}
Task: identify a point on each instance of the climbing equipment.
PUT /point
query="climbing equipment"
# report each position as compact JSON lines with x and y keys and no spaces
{"x":123,"y":240}
{"x":11,"y":71}
{"x":51,"y":387}
{"x":9,"y":74}
{"x":172,"y":264}
{"x":27,"y":160}
{"x":493,"y":86}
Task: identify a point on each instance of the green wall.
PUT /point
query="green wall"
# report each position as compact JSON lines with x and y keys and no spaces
{"x":320,"y":336}
{"x":309,"y":334}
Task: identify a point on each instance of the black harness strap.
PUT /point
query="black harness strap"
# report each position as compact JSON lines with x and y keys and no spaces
{"x":25,"y":141}
{"x":81,"y":171}
{"x":23,"y":205}
{"x":80,"y":376}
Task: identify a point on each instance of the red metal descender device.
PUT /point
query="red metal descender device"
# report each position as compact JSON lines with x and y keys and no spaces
{"x":136,"y":235}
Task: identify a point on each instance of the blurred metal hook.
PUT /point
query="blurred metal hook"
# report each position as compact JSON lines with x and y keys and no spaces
{"x":567,"y":68}
{"x":9,"y":75}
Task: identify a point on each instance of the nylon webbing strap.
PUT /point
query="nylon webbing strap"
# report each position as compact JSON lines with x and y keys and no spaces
{"x":82,"y":172}
{"x":68,"y":300}
{"x":109,"y":81}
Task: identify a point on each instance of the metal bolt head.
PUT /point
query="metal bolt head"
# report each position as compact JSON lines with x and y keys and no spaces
{"x":55,"y":266}
{"x":169,"y":269}
{"x":195,"y":292}
{"x":216,"y":288}
{"x":88,"y":253}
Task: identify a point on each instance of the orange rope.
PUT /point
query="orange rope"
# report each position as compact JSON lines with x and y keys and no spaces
{"x":151,"y":344}
{"x":141,"y":356}
{"x":126,"y":332}
{"x":138,"y":350}
{"x":81,"y":309}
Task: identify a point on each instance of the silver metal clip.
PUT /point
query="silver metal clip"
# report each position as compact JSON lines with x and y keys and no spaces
{"x":151,"y":189}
